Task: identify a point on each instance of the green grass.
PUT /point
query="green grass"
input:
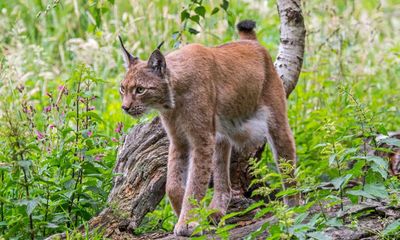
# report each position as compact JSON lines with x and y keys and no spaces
{"x":348,"y":90}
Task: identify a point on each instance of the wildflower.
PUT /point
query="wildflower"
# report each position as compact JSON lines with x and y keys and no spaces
{"x":39,"y":135}
{"x":114,"y":139}
{"x":99,"y":157}
{"x":119,"y":127}
{"x":61,"y":88}
{"x":90,"y":133}
{"x":47,"y":109}
{"x":51,"y":126}
{"x":91,"y":108}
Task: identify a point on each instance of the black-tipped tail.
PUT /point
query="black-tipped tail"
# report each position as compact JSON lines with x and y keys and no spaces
{"x":246,"y":30}
{"x":246,"y":26}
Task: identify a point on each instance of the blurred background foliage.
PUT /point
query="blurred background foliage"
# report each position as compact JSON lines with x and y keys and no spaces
{"x":55,"y":175}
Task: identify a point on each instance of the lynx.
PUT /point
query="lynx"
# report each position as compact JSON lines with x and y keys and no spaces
{"x":210,"y":99}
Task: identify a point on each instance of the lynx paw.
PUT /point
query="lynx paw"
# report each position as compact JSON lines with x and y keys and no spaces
{"x":216,"y":217}
{"x":184,"y":229}
{"x":220,"y":204}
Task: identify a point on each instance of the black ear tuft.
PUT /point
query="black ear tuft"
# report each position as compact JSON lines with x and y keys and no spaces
{"x":128,"y":58}
{"x":160,"y":45}
{"x":157,"y":63}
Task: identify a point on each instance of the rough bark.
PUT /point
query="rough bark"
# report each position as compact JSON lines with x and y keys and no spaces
{"x":292,"y":39}
{"x":372,"y":217}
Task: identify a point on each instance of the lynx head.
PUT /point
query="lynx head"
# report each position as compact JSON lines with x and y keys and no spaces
{"x":145,"y":84}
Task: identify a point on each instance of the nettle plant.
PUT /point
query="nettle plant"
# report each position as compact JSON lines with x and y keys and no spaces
{"x":56,"y":164}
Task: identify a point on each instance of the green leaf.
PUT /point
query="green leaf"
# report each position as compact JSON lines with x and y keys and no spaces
{"x":377,"y":190}
{"x":377,"y":160}
{"x":94,"y":116}
{"x":339,"y":182}
{"x":225,"y":4}
{"x":69,"y":184}
{"x":51,"y":225}
{"x":300,"y":218}
{"x":332,"y":159}
{"x":200,"y":10}
{"x":25,"y":164}
{"x":360,"y":193}
{"x":195,"y":18}
{"x":334,"y":222}
{"x":225,"y":229}
{"x":184,"y":15}
{"x":391,"y":141}
{"x":378,"y":165}
{"x":4,"y":200}
{"x":391,"y":228}
{"x":262,"y":212}
{"x":379,"y":170}
{"x":32,"y":204}
{"x":193,"y":31}
{"x":287,"y":192}
{"x":215,"y":10}
{"x":318,"y":235}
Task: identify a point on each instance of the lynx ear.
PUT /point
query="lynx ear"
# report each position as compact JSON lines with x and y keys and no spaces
{"x":128,"y":58}
{"x":157,"y":63}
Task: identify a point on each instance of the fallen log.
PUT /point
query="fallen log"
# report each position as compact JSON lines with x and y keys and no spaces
{"x":372,"y":218}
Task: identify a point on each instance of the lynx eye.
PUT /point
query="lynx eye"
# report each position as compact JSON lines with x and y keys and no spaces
{"x":121,"y":90}
{"x":140,"y":90}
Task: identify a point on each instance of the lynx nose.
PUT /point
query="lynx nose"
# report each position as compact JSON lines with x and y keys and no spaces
{"x":125,"y":108}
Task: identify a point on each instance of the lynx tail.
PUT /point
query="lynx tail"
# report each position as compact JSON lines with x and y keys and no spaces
{"x":246,"y":30}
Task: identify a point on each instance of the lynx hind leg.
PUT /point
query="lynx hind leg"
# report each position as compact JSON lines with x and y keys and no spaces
{"x":221,"y":177}
{"x":281,"y":141}
{"x":176,"y":175}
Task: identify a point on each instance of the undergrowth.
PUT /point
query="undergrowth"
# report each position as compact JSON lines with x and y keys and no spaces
{"x":60,"y":117}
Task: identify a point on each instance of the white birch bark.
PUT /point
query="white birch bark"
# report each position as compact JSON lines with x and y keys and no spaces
{"x":291,"y":48}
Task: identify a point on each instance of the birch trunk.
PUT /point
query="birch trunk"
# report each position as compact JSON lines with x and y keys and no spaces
{"x":291,"y":48}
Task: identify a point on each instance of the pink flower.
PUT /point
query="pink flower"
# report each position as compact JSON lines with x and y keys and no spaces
{"x":47,"y":109}
{"x":114,"y":139}
{"x":91,"y":108}
{"x":89,"y":133}
{"x":99,"y":157}
{"x":39,"y":135}
{"x":51,"y":126}
{"x":119,"y":127}
{"x":61,"y":88}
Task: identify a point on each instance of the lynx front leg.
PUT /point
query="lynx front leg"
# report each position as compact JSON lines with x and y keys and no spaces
{"x":176,"y":175}
{"x":222,"y":184}
{"x":202,"y":148}
{"x":283,"y":146}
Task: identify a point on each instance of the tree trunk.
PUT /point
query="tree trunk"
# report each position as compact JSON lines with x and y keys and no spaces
{"x":142,"y":159}
{"x":291,"y":48}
